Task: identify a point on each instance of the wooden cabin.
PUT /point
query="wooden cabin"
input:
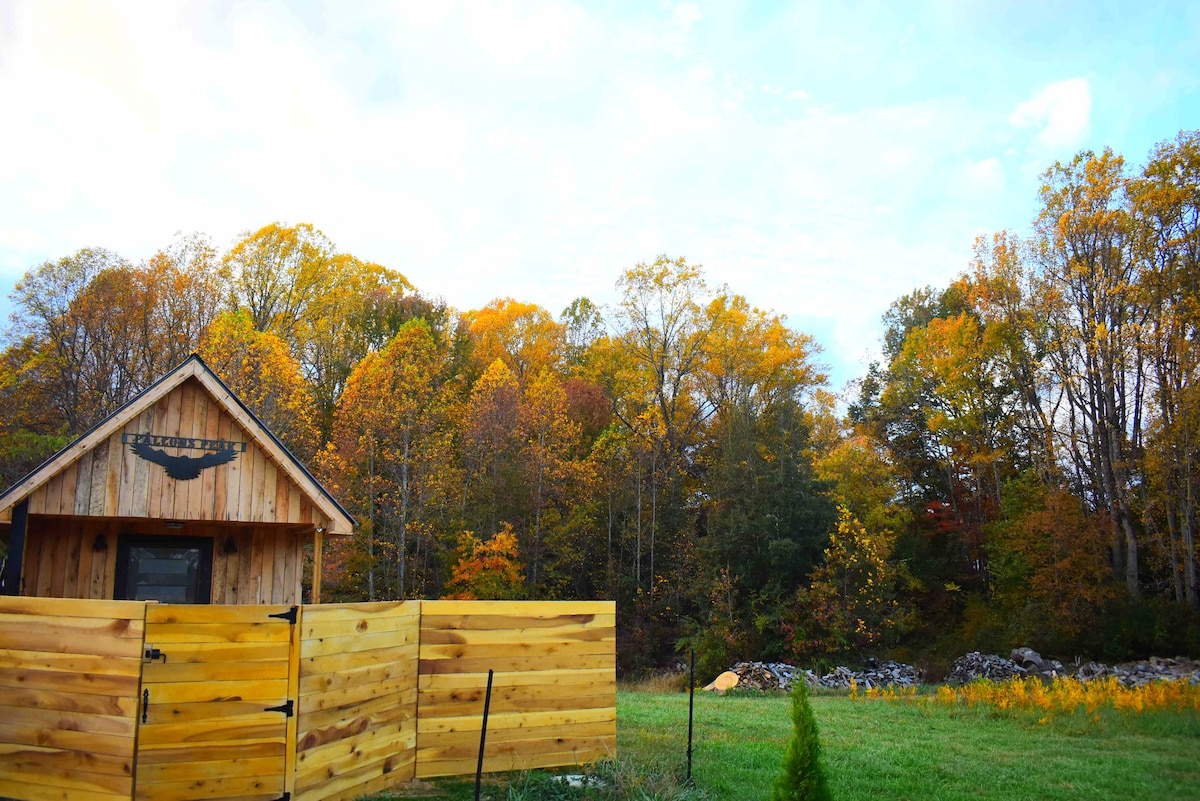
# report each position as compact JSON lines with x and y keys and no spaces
{"x":180,"y":496}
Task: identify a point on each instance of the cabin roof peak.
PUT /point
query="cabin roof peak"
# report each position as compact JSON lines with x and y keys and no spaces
{"x":146,"y":442}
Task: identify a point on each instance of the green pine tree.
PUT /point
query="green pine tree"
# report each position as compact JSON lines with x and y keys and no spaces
{"x":802,"y":778}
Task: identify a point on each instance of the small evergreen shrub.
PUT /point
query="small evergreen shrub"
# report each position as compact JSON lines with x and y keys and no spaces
{"x":802,"y":778}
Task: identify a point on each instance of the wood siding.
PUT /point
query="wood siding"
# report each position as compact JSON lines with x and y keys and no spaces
{"x":358,"y":699}
{"x":375,"y":705}
{"x":554,"y":690}
{"x":109,"y":480}
{"x":69,"y":680}
{"x":210,"y":728}
{"x":61,"y":560}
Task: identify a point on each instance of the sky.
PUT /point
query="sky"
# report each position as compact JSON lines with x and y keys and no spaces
{"x":820,"y":159}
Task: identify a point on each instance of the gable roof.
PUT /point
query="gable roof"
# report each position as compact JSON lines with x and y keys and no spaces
{"x":193,"y":368}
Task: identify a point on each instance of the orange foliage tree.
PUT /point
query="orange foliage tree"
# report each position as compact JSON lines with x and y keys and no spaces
{"x":487,"y":570}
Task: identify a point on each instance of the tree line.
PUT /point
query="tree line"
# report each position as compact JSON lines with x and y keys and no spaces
{"x":1021,"y":465}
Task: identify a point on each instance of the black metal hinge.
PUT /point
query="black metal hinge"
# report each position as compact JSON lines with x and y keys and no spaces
{"x":288,"y":709}
{"x":285,"y":797}
{"x":289,"y":615}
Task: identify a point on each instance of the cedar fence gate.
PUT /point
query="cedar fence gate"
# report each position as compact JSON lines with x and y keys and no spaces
{"x":107,"y":700}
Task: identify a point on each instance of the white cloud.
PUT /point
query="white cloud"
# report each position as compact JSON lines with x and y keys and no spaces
{"x":1060,"y":112}
{"x":986,"y":174}
{"x":677,"y":39}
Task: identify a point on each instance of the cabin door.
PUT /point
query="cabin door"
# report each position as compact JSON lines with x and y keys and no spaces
{"x":216,"y":719}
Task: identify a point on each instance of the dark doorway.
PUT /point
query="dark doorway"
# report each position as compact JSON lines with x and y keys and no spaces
{"x":172,"y":570}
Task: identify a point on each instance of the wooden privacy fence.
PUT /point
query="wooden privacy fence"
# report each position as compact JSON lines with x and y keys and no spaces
{"x":103,"y":700}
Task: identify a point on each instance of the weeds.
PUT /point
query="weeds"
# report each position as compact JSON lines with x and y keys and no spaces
{"x":1061,"y":696}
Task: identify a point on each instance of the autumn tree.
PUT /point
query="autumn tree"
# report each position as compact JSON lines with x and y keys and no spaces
{"x":1050,"y":562}
{"x":487,"y":569}
{"x":383,"y":444}
{"x":278,"y":273}
{"x":522,"y":335}
{"x":256,"y":365}
{"x":1090,"y":269}
{"x":1165,"y":205}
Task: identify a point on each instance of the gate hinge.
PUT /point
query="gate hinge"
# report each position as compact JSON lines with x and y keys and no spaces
{"x":289,"y":615}
{"x":285,"y":797}
{"x":288,"y":709}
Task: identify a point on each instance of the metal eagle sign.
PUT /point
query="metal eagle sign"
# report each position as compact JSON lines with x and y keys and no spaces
{"x":183,"y":468}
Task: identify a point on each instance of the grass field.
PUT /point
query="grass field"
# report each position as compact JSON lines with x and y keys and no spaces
{"x":883,"y":750}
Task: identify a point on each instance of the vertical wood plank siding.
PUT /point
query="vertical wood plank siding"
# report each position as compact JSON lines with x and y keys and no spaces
{"x":61,"y":560}
{"x":111,"y":481}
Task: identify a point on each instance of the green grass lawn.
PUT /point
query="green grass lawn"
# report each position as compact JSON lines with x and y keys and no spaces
{"x":885,"y":750}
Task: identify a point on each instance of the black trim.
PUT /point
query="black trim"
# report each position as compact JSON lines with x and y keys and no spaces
{"x":10,"y":579}
{"x":126,"y":542}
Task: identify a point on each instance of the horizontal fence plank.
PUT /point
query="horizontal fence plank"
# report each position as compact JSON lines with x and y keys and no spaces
{"x":62,"y":681}
{"x":453,"y":681}
{"x":83,"y":666}
{"x":211,"y":753}
{"x":216,"y":787}
{"x":33,"y":789}
{"x":519,"y":650}
{"x":206,"y":652}
{"x":197,"y":768}
{"x":389,"y":750}
{"x":199,"y":633}
{"x":67,"y":779}
{"x":335,"y":663}
{"x":163,"y":614}
{"x":365,"y":713}
{"x":217,"y":691}
{"x":516,"y":663}
{"x":357,"y":611}
{"x":430,"y":765}
{"x":259,"y":727}
{"x":52,"y":758}
{"x":73,"y":607}
{"x":75,"y":703}
{"x":356,"y":694}
{"x":318,"y":626}
{"x":53,"y":720}
{"x":312,"y":684}
{"x":358,"y":643}
{"x":369,"y":739}
{"x":524,"y":622}
{"x":30,"y":731}
{"x":156,"y":672}
{"x":529,"y":720}
{"x":515,"y":609}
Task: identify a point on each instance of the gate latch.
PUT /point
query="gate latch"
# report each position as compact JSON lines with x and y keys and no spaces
{"x":153,"y":653}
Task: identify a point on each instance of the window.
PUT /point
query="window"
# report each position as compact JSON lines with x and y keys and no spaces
{"x":174,"y":570}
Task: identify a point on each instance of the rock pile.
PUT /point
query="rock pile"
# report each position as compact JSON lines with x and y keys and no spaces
{"x":1136,"y":674}
{"x":975,"y":665}
{"x":1032,"y":663}
{"x":780,"y":675}
{"x":765,"y":675}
